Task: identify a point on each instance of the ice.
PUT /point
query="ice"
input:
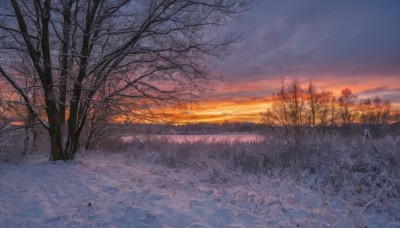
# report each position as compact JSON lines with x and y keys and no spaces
{"x":195,"y":138}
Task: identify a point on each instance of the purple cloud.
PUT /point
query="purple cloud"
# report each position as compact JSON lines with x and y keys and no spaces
{"x":311,"y":38}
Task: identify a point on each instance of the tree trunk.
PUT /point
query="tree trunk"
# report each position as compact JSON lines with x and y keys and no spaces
{"x":89,"y":141}
{"x":26,"y":141}
{"x":64,"y":59}
{"x":75,"y":126}
{"x":56,"y":145}
{"x":71,"y":147}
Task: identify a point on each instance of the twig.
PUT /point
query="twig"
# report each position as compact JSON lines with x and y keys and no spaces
{"x":366,"y":205}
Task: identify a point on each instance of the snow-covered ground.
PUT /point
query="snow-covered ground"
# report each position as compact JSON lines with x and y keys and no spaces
{"x":113,"y":190}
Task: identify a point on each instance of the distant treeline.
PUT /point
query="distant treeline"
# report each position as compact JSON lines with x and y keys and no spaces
{"x":295,"y":105}
{"x":200,"y":128}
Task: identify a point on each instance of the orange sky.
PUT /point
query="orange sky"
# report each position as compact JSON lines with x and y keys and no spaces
{"x":244,"y":101}
{"x":336,"y":44}
{"x":220,"y":111}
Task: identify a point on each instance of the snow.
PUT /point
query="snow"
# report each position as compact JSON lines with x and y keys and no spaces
{"x":113,"y":190}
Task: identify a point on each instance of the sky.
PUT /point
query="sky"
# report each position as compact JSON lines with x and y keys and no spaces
{"x":336,"y":44}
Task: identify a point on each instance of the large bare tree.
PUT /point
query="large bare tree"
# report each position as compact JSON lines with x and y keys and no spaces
{"x":159,"y":50}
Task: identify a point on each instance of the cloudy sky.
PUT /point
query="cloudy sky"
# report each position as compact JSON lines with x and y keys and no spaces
{"x":337,"y":44}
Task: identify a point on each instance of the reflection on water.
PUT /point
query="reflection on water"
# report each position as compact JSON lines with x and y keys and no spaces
{"x":196,"y":138}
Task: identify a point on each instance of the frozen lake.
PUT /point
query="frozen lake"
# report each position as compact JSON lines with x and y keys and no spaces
{"x":196,"y":138}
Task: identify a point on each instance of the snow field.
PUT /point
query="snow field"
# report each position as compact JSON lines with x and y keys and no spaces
{"x":114,"y":190}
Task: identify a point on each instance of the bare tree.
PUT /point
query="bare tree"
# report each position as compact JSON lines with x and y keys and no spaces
{"x":386,"y":111}
{"x":106,"y":112}
{"x":296,"y":107}
{"x":333,"y":112}
{"x":313,"y":99}
{"x":346,"y":106}
{"x":277,"y":114}
{"x":366,"y":111}
{"x":3,"y":118}
{"x":374,"y":111}
{"x":381,"y":110}
{"x":153,"y":49}
{"x":14,"y":114}
{"x":287,"y":109}
{"x":326,"y":113}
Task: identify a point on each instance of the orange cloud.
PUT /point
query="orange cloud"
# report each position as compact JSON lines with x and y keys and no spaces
{"x":217,"y":111}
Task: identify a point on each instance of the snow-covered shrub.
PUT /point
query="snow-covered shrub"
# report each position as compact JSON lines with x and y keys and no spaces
{"x":11,"y":145}
{"x":14,"y":141}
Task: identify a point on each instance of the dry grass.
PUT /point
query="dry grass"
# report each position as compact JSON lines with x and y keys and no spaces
{"x":368,"y":174}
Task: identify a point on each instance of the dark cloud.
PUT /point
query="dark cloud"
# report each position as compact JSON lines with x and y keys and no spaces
{"x":312,"y":37}
{"x":375,"y":90}
{"x":382,"y":92}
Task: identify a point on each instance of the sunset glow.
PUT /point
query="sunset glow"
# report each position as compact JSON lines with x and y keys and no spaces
{"x":221,"y":111}
{"x":243,"y":102}
{"x":337,"y":45}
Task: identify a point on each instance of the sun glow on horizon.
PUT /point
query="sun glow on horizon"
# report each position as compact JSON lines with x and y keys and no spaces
{"x":211,"y":111}
{"x":247,"y":108}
